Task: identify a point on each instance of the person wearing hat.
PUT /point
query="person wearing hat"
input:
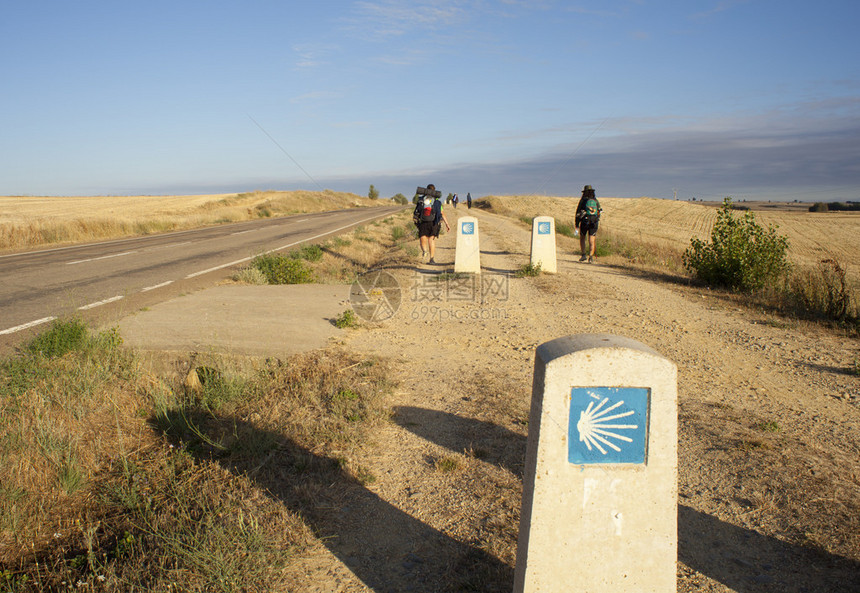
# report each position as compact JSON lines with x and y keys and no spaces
{"x":587,"y":218}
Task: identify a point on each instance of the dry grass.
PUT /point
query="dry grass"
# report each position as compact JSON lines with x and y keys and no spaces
{"x":669,"y":225}
{"x":347,"y":256}
{"x":114,"y":474}
{"x":28,"y":222}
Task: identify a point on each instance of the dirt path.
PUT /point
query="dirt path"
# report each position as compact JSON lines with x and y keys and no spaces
{"x":768,"y":458}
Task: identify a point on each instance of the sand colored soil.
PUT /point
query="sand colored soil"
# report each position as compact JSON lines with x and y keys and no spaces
{"x":769,"y":489}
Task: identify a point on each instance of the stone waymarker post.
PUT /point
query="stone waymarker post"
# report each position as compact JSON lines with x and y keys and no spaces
{"x":543,"y":243}
{"x":468,"y":255}
{"x":599,"y":510}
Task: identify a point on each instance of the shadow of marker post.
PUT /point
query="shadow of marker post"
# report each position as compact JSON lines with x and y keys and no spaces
{"x":387,"y":549}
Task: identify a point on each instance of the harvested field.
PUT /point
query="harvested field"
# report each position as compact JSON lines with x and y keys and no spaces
{"x":28,"y":222}
{"x":813,"y":236}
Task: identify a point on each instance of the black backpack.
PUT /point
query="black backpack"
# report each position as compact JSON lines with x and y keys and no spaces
{"x":425,"y":210}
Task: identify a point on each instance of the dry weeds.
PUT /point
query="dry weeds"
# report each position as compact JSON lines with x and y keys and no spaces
{"x":28,"y":222}
{"x":669,"y":225}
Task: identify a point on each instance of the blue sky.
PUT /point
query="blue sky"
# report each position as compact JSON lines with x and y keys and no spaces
{"x":706,"y":98}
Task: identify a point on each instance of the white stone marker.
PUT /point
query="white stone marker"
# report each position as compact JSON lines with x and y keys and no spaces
{"x":468,"y":255}
{"x":599,"y":510}
{"x":543,"y":243}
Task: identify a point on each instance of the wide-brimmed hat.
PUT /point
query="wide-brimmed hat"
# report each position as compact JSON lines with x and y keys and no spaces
{"x":587,"y":188}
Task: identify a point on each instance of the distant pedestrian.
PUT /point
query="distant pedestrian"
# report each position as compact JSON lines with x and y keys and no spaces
{"x":587,"y":218}
{"x":469,"y":200}
{"x":454,"y":200}
{"x":428,"y":217}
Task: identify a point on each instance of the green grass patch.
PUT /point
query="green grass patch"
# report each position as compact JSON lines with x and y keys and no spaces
{"x":63,"y":337}
{"x":346,"y":319}
{"x":283,"y":269}
{"x":528,"y":270}
{"x":310,"y":253}
{"x":771,"y":426}
{"x":568,"y":230}
{"x":447,"y":465}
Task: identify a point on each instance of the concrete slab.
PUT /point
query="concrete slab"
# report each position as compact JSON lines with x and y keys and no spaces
{"x":239,"y":319}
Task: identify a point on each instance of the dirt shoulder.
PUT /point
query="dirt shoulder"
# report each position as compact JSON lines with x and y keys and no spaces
{"x":768,"y":445}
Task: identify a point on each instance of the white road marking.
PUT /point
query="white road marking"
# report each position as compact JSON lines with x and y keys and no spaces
{"x":221,"y":267}
{"x":162,"y":285}
{"x":244,"y":259}
{"x":18,"y":328}
{"x":81,"y":261}
{"x":100,"y":303}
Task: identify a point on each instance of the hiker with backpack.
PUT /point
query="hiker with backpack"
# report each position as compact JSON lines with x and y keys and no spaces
{"x":587,"y":218}
{"x":428,"y":217}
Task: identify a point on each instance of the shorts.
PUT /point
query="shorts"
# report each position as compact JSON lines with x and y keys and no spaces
{"x":588,"y":226}
{"x":429,"y":229}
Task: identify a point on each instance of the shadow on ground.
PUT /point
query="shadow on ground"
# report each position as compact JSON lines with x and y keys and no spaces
{"x":739,"y":558}
{"x":749,"y":562}
{"x":388,"y":550}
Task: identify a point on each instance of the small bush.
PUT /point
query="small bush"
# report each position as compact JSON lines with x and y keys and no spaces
{"x":346,"y":319}
{"x":282,"y":269}
{"x":308,"y":253}
{"x":250,"y":275}
{"x":742,"y":255}
{"x":529,"y":269}
{"x":63,"y":337}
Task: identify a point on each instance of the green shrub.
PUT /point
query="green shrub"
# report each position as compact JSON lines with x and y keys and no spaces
{"x":742,"y":254}
{"x":63,"y":336}
{"x":346,"y":319}
{"x":529,"y":269}
{"x":283,"y":269}
{"x":308,"y":253}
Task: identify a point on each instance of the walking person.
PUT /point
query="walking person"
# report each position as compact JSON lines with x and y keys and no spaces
{"x":428,"y":217}
{"x":469,"y":200}
{"x":587,"y":218}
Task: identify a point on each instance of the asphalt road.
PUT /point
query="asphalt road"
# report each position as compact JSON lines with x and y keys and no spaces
{"x":103,"y":281}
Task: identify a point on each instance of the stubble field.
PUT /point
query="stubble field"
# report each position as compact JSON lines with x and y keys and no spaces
{"x":29,"y":222}
{"x":668,"y":224}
